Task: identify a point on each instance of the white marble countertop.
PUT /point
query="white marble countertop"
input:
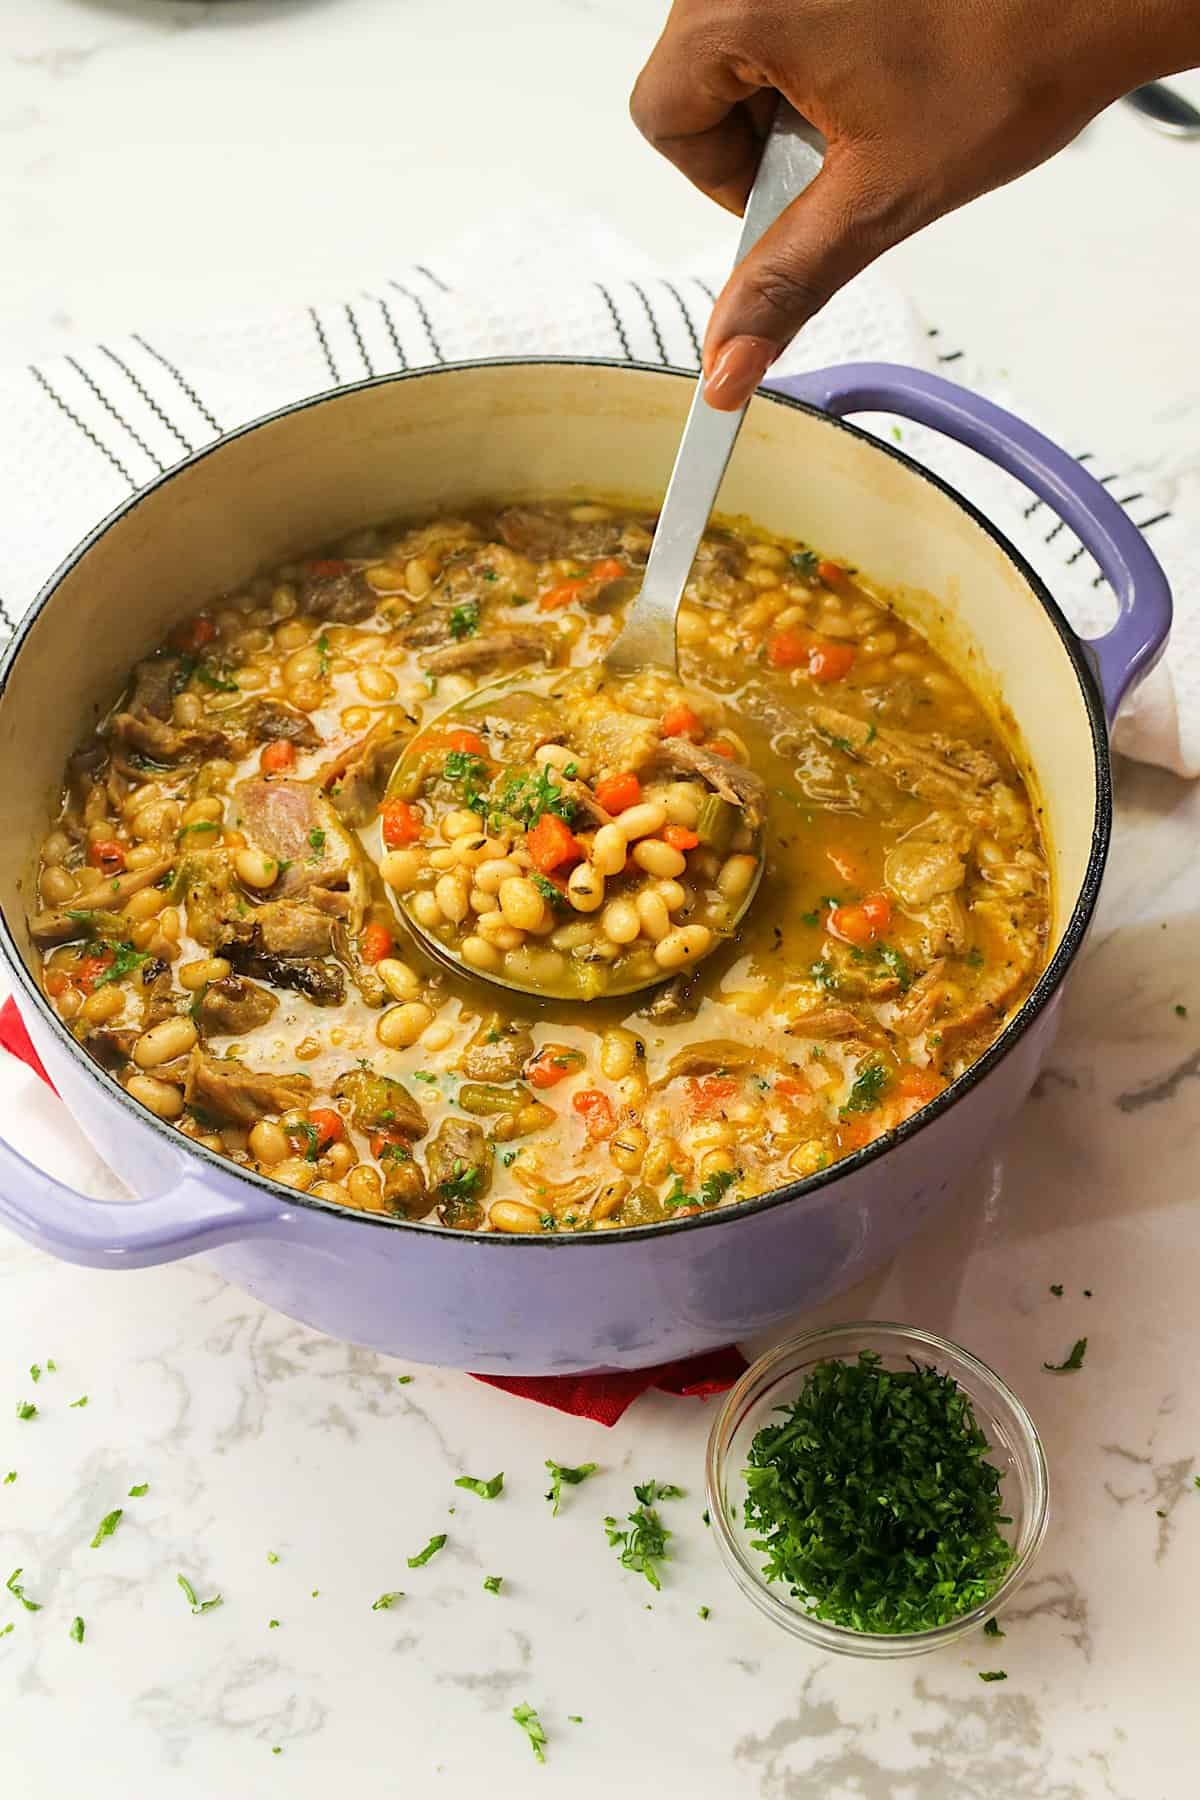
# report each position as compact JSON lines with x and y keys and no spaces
{"x":167,"y":159}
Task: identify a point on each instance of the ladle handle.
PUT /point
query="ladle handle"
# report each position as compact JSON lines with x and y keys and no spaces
{"x":791,"y":158}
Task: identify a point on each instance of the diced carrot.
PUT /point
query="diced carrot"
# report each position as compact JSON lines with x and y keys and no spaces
{"x":792,"y":1087}
{"x":275,"y":758}
{"x":595,"y":1109}
{"x":91,"y":967}
{"x":831,"y":573}
{"x":328,"y":566}
{"x":57,"y":982}
{"x":618,"y":792}
{"x":787,"y":649}
{"x":402,"y":823}
{"x":375,"y":943}
{"x":919,"y":1084}
{"x":193,"y":634}
{"x":830,"y":662}
{"x":607,"y":569}
{"x":679,"y":837}
{"x":853,"y":1134}
{"x":469,"y":742}
{"x":552,"y":1064}
{"x":328,"y":1126}
{"x":107,"y":855}
{"x":680,"y":721}
{"x":551,"y":843}
{"x":381,"y":1141}
{"x":721,"y":747}
{"x":710,"y":1094}
{"x":562,"y":594}
{"x":878,"y":909}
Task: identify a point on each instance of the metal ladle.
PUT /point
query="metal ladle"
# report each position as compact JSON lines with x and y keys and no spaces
{"x":791,"y":158}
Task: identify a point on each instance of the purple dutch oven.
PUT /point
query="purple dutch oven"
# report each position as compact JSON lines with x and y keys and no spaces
{"x":463,"y":433}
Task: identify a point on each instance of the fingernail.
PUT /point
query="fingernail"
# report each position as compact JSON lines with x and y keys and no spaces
{"x":737,"y":369}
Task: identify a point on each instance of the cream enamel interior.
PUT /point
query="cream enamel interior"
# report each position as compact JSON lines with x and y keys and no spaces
{"x":461,"y":435}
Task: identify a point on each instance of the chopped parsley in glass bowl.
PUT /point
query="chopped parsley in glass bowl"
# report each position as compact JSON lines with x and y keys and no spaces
{"x":875,"y":1489}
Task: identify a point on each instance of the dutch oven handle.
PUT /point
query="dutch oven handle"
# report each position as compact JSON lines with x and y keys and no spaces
{"x":184,"y":1219}
{"x":1129,"y":650}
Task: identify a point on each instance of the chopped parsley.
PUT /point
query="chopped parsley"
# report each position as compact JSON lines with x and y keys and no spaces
{"x":316,"y":839}
{"x":143,"y":1487}
{"x":550,"y":894}
{"x":526,"y":797}
{"x":574,"y":1718}
{"x":703,"y":1612}
{"x":271,"y":1557}
{"x":211,"y":677}
{"x":560,"y":1473}
{"x":199,"y":825}
{"x":125,"y":960}
{"x":810,"y":918}
{"x":487,"y":1490}
{"x":77,"y":1629}
{"x":896,"y":964}
{"x":18,"y":1592}
{"x":492,"y":1583}
{"x":309,"y":1136}
{"x":1056,"y":1288}
{"x":107,"y":1526}
{"x":1073,"y":1362}
{"x":51,"y":1366}
{"x":403,"y":1380}
{"x":531,"y":1725}
{"x":26,"y":1409}
{"x":462,"y":1184}
{"x":464,"y":765}
{"x":11,"y":1476}
{"x":650,"y":1491}
{"x":712,"y":1190}
{"x":464,"y":620}
{"x":5,"y":1629}
{"x":323,"y":653}
{"x":386,"y":1601}
{"x":868,"y":1089}
{"x":197,"y":1606}
{"x":272,"y":1624}
{"x":804,"y":561}
{"x":431,"y":1549}
{"x":992,"y":1629}
{"x":1181,"y":1011}
{"x":82,"y":1401}
{"x":873,"y":1498}
{"x":35,"y":1372}
{"x":993,"y":1674}
{"x":644,"y":1545}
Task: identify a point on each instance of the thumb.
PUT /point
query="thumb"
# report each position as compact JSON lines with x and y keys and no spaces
{"x":833,"y":230}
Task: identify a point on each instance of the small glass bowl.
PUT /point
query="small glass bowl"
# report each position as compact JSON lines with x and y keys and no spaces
{"x":776,"y":1379}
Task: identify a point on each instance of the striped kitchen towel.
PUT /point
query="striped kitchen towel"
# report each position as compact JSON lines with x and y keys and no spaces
{"x":84,"y":431}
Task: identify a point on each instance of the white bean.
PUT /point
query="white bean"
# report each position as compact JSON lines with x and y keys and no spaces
{"x":683,"y":945}
{"x":401,"y":982}
{"x":400,"y":868}
{"x":621,"y":922}
{"x":451,"y":897}
{"x":163,"y":1042}
{"x":609,"y":850}
{"x":256,"y":869}
{"x":401,"y":1026}
{"x":659,"y":859}
{"x":521,"y":903}
{"x":585,"y":888}
{"x":652,"y":911}
{"x":736,"y":876}
{"x":642,"y":820}
{"x":480,"y":954}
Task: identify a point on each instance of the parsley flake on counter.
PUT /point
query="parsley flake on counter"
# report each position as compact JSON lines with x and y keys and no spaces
{"x":1073,"y":1362}
{"x":197,"y":1606}
{"x":431,"y":1549}
{"x":18,"y":1592}
{"x":403,"y":1380}
{"x":35,"y":1372}
{"x":26,"y":1409}
{"x":11,"y":1476}
{"x":5,"y":1629}
{"x":574,"y":1718}
{"x":559,"y":1472}
{"x":993,"y":1674}
{"x":51,"y":1365}
{"x":272,"y":1624}
{"x":82,"y":1401}
{"x":139,"y":1488}
{"x":650,"y":1491}
{"x":271,"y":1557}
{"x":77,"y":1629}
{"x":703,"y":1612}
{"x":276,"y":1749}
{"x":1181,"y":1011}
{"x":992,"y":1629}
{"x":386,"y":1601}
{"x":487,"y":1490}
{"x":107,"y":1526}
{"x":531,"y":1725}
{"x":705,"y":1517}
{"x":1056,"y":1288}
{"x":842,"y":1501}
{"x":644,"y":1545}
{"x":492,"y":1583}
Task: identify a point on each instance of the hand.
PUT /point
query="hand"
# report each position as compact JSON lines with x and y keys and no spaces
{"x":924,"y":104}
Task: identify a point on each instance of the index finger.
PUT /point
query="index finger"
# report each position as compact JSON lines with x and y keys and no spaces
{"x":691,"y":105}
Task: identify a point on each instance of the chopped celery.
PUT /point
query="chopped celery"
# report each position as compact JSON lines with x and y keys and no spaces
{"x":717,"y":823}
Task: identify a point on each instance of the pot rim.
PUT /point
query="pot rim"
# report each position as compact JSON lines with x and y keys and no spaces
{"x":809,"y":1186}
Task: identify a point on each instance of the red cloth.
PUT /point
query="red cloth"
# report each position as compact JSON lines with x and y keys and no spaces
{"x":600,"y":1397}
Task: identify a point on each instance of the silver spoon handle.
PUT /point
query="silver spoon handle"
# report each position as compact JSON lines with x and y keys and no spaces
{"x":791,"y":158}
